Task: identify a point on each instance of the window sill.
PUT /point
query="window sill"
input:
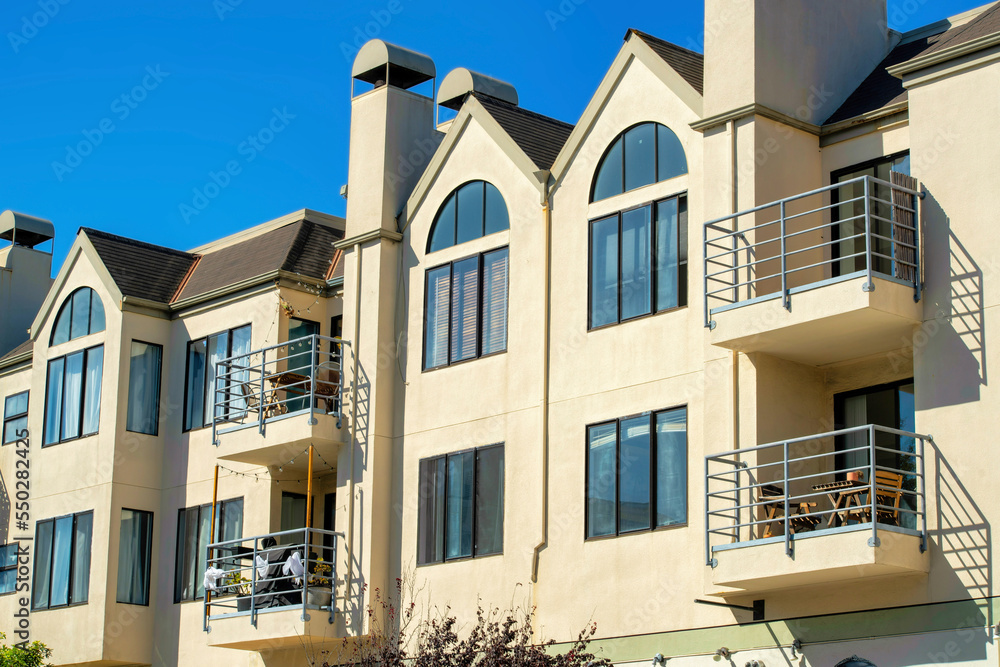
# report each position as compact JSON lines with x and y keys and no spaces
{"x":459,"y":560}
{"x":62,"y":606}
{"x":464,"y":361}
{"x":638,"y":318}
{"x":644,"y":531}
{"x":63,"y":442}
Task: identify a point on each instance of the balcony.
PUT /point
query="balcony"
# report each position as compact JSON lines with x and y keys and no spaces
{"x":847,"y":257}
{"x":263,"y":597}
{"x":800,"y":512}
{"x":273,"y":400}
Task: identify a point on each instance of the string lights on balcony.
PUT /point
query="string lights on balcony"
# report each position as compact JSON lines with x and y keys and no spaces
{"x":257,"y":475}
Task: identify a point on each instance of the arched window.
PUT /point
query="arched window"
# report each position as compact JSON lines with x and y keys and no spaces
{"x":855,"y":661}
{"x":81,"y":314}
{"x":473,"y":210}
{"x":641,"y":155}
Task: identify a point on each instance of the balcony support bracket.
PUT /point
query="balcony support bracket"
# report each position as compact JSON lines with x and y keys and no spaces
{"x":868,"y":287}
{"x":874,"y":542}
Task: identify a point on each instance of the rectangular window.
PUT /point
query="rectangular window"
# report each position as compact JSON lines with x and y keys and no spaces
{"x":637,"y":473}
{"x":73,"y":395}
{"x":202,"y":390}
{"x":62,"y":561}
{"x":193,"y":530}
{"x":465,"y":313}
{"x":460,"y":511}
{"x":15,"y":416}
{"x":135,"y":550}
{"x":638,"y":262}
{"x":8,"y":567}
{"x":144,"y":388}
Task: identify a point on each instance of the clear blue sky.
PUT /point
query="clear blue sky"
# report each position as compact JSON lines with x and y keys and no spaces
{"x":210,"y":73}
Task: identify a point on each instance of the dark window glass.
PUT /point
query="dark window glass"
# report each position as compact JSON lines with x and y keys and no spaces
{"x":81,"y":314}
{"x":460,"y":512}
{"x":145,"y":362}
{"x":602,"y":479}
{"x":670,"y":154}
{"x":464,"y":308}
{"x":643,"y":154}
{"x":636,"y":482}
{"x":193,"y":530}
{"x":8,"y":567}
{"x":15,"y":416}
{"x":206,"y":395}
{"x":465,"y":314}
{"x":604,"y":272}
{"x":608,"y":181}
{"x":471,"y":214}
{"x":135,"y":548}
{"x":638,"y":262}
{"x":73,"y":395}
{"x":62,"y":561}
{"x":471,"y":211}
{"x":640,"y":156}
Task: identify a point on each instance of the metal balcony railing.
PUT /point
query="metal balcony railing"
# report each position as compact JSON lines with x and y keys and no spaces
{"x":254,"y":575}
{"x":301,"y":376}
{"x":861,"y":227}
{"x":816,"y":485}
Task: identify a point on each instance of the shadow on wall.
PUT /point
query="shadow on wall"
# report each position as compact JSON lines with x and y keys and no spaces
{"x":960,"y":539}
{"x":355,"y":613}
{"x":954,"y":328}
{"x":4,"y":511}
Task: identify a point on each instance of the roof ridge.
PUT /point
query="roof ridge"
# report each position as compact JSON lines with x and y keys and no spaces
{"x":482,"y":97}
{"x":646,"y":35}
{"x":89,"y":231}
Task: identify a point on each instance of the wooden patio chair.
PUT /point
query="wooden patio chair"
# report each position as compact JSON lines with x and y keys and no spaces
{"x":801,"y":520}
{"x":888,"y":488}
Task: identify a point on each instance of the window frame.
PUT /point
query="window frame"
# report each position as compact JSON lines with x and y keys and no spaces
{"x":62,"y":395}
{"x":683,"y":284}
{"x":9,"y":418}
{"x":474,"y":513}
{"x":149,"y":556}
{"x":453,"y":197}
{"x":68,"y":303}
{"x":178,"y":546}
{"x":652,"y":474}
{"x":159,"y":390}
{"x":72,"y":559}
{"x":479,"y":310}
{"x":187,"y":370}
{"x":5,"y":568}
{"x":620,"y":137}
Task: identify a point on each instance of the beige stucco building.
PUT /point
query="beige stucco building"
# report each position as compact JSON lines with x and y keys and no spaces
{"x":725,"y":339}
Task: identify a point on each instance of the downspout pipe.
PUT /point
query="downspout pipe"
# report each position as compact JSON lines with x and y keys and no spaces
{"x":543,"y":181}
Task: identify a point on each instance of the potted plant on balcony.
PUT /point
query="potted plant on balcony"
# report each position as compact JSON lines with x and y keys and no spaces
{"x":239,"y":586}
{"x":320,"y":589}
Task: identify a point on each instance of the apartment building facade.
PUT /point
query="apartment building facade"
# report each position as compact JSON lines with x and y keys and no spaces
{"x":723,"y":340}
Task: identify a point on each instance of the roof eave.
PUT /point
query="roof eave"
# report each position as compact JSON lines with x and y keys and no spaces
{"x":901,"y":70}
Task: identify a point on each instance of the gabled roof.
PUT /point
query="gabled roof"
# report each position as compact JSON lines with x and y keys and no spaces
{"x":165,"y":275}
{"x":302,"y":247}
{"x":689,"y":64}
{"x":881,"y":89}
{"x":540,"y":137}
{"x":23,"y":348}
{"x":141,"y":269}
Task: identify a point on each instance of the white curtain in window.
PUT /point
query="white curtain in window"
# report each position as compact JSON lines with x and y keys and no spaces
{"x":92,"y":396}
{"x":144,"y":388}
{"x":72,"y":387}
{"x":495,"y":301}
{"x":133,"y":557}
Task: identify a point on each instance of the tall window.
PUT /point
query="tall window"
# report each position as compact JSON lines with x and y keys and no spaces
{"x":465,"y":313}
{"x":643,"y":154}
{"x":194,"y":526}
{"x":144,"y":388}
{"x":15,"y":416}
{"x":73,"y":395}
{"x":62,"y":561}
{"x":8,"y":567}
{"x":461,"y":505}
{"x":638,"y":262}
{"x":637,"y":473}
{"x":471,"y":211}
{"x":202,"y":390}
{"x":80,"y":315}
{"x":135,"y":550}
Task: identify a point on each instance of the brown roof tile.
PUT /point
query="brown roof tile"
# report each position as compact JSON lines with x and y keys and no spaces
{"x":540,"y":137}
{"x":689,"y":64}
{"x":141,"y":269}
